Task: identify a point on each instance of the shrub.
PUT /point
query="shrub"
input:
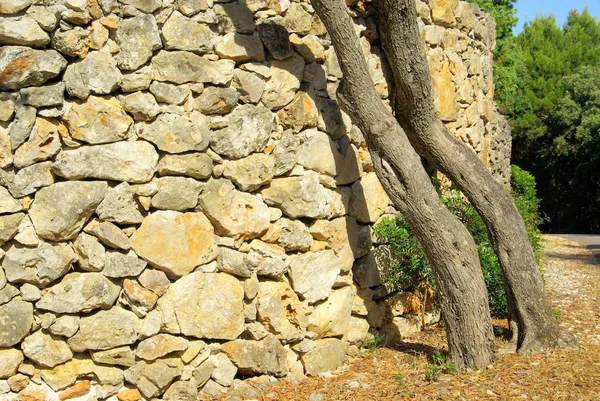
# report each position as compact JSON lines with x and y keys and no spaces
{"x":413,"y":268}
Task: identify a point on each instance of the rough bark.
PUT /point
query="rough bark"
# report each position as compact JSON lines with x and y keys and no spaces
{"x":447,"y":244}
{"x":531,"y":319}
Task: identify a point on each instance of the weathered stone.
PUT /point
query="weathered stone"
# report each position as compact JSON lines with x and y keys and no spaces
{"x":45,"y":96}
{"x":298,"y":20}
{"x":136,"y":80}
{"x":370,"y":270}
{"x":65,"y":375}
{"x":195,"y":165}
{"x":240,"y":48}
{"x":176,"y":193}
{"x":286,"y":76}
{"x":13,"y":6}
{"x":7,"y":106}
{"x":216,"y":100}
{"x":155,"y":280}
{"x":233,"y":262}
{"x":275,"y":37}
{"x":309,"y":47}
{"x":249,"y":85}
{"x":8,"y":204}
{"x":7,"y":293}
{"x":22,"y":30}
{"x":401,"y":327}
{"x":169,"y":93}
{"x":121,"y":356}
{"x":182,"y":391}
{"x":121,"y":161}
{"x":234,"y":17}
{"x":30,"y":292}
{"x":122,"y":265}
{"x":27,"y":235}
{"x":177,"y":133}
{"x":327,"y":355}
{"x":302,"y":112}
{"x":292,"y":235}
{"x":90,"y":252}
{"x":137,"y":38}
{"x":79,"y":292}
{"x":248,"y":130}
{"x":43,"y":143}
{"x":78,"y":389}
{"x":267,"y":259}
{"x":203,"y":372}
{"x":18,"y":382}
{"x":351,"y":167}
{"x":204,"y":305}
{"x":21,"y":66}
{"x":313,"y":274}
{"x":234,"y":213}
{"x":301,"y":196}
{"x":280,"y":311}
{"x":357,"y":332}
{"x":145,"y":6}
{"x":258,"y":357}
{"x":60,"y":210}
{"x":109,"y":234}
{"x":442,"y":12}
{"x":318,"y":152}
{"x":443,"y":91}
{"x":160,"y":345}
{"x":46,"y":16}
{"x":22,"y":125}
{"x":98,"y":120}
{"x":251,"y":172}
{"x":10,"y":359}
{"x":142,"y":106}
{"x":345,"y":237}
{"x":17,"y":318}
{"x":181,"y":33}
{"x":73,"y":42}
{"x":137,"y":298}
{"x":65,"y":325}
{"x":175,"y":242}
{"x":118,"y":327}
{"x":9,"y":224}
{"x":369,"y":200}
{"x":332,"y":120}
{"x":39,"y":266}
{"x":285,"y":153}
{"x":224,"y":371}
{"x":6,"y":156}
{"x":119,"y":206}
{"x":331,"y":318}
{"x":214,"y":389}
{"x":45,"y":349}
{"x":180,"y":67}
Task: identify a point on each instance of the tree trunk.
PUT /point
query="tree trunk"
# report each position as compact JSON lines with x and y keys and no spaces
{"x":447,"y":244}
{"x":531,"y":319}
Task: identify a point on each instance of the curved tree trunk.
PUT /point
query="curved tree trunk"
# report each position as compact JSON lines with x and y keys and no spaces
{"x":530,"y":316}
{"x":448,"y":245}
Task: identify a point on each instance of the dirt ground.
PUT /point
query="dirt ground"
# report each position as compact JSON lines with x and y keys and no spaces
{"x":406,"y":372}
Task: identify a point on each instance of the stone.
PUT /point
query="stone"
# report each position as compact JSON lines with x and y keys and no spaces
{"x":136,"y":80}
{"x":286,"y":76}
{"x":169,"y":93}
{"x":121,"y":356}
{"x":45,"y":96}
{"x":203,"y":372}
{"x":204,"y":305}
{"x":267,"y":259}
{"x":216,"y":100}
{"x":327,"y":355}
{"x":7,"y":293}
{"x":285,"y":153}
{"x":402,"y":327}
{"x":18,"y":382}
{"x":73,"y":42}
{"x":213,"y":389}
{"x":78,"y":389}
{"x":300,"y":113}
{"x":43,"y":143}
{"x":298,"y":20}
{"x":8,"y":204}
{"x":240,"y":48}
{"x":65,"y":325}
{"x":30,"y":292}
{"x":98,"y":120}
{"x":249,"y":86}
{"x":98,"y":35}
{"x":130,"y":395}
{"x":46,"y":16}
{"x":233,"y":213}
{"x":189,"y":7}
{"x":119,"y":265}
{"x":251,"y":172}
{"x":313,"y":274}
{"x":60,"y":210}
{"x":332,"y":317}
{"x":142,"y":106}
{"x":119,"y":327}
{"x":39,"y":266}
{"x":309,"y":47}
{"x":233,"y":262}
{"x":79,"y":292}
{"x":248,"y":130}
{"x":292,"y":235}
{"x":137,"y":38}
{"x":351,"y":168}
{"x":443,"y":91}
{"x":22,"y":30}
{"x":195,"y":165}
{"x":175,"y":133}
{"x":300,"y":196}
{"x":9,"y":224}
{"x":46,"y":350}
{"x":90,"y":253}
{"x":319,"y":153}
{"x":119,"y":206}
{"x":233,"y":17}
{"x":275,"y":37}
{"x":21,"y":67}
{"x":442,"y":12}
{"x":10,"y":359}
{"x":13,"y":6}
{"x":332,"y":120}
{"x":121,"y":161}
{"x":27,"y":235}
{"x":176,"y":193}
{"x":16,"y":317}
{"x":224,"y":371}
{"x":357,"y":331}
{"x":258,"y":357}
{"x":20,"y":129}
{"x":369,"y":200}
{"x":65,"y":375}
{"x":280,"y":311}
{"x":137,"y":298}
{"x":180,"y":67}
{"x":7,"y":107}
{"x":145,"y":6}
{"x":154,"y":280}
{"x":108,"y":233}
{"x":160,"y":345}
{"x":370,"y":270}
{"x":181,"y":33}
{"x":174,"y":242}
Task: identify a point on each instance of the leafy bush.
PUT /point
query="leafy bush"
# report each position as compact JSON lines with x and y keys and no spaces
{"x":413,"y":267}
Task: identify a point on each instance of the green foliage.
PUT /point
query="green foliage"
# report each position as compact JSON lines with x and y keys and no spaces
{"x":440,"y":365}
{"x":432,"y":373}
{"x":374,"y":342}
{"x":413,"y":268}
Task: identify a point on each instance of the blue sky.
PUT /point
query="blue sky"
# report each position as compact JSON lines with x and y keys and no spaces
{"x":528,"y":9}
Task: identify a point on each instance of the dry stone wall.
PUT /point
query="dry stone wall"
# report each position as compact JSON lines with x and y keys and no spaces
{"x":182,"y":202}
